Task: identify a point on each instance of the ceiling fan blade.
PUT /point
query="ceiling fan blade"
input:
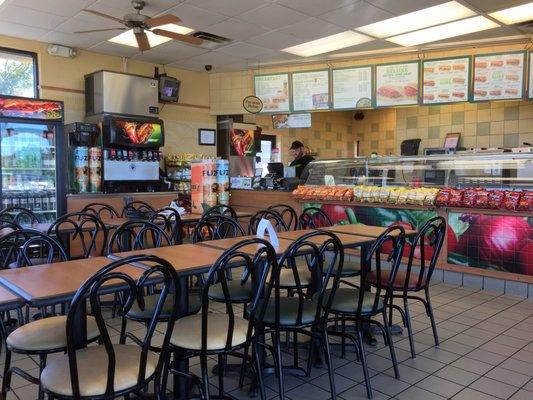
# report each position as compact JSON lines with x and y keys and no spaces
{"x":103,"y":15}
{"x":142,"y":41}
{"x":163,"y":20}
{"x":102,"y":30}
{"x":178,"y":36}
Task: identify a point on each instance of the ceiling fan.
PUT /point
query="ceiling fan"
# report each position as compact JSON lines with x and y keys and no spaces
{"x":140,"y":23}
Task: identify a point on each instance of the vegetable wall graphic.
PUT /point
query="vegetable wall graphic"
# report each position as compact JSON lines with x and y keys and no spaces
{"x":492,"y":242}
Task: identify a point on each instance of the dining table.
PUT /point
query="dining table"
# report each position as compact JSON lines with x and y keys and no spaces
{"x":48,"y":284}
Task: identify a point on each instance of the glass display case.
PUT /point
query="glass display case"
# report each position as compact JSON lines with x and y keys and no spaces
{"x":461,"y":170}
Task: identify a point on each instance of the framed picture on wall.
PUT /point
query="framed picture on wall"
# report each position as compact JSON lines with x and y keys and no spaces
{"x":207,"y":137}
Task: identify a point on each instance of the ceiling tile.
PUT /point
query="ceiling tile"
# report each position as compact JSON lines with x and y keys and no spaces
{"x":357,"y":14}
{"x":114,"y":49}
{"x":489,"y":33}
{"x":314,"y":7}
{"x":216,"y":58}
{"x":81,"y":40}
{"x":21,"y":31}
{"x":311,"y":29}
{"x":243,"y":50}
{"x":189,"y":64}
{"x":229,"y":8}
{"x":404,"y":6}
{"x":495,"y":5}
{"x":179,"y":50}
{"x":197,"y":18}
{"x":151,"y":8}
{"x":272,"y":16}
{"x":377,"y":44}
{"x":56,"y":7}
{"x":235,"y":29}
{"x":276,"y":40}
{"x":29,"y":17}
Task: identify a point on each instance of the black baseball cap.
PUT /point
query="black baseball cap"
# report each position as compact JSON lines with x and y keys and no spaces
{"x":296,"y":145}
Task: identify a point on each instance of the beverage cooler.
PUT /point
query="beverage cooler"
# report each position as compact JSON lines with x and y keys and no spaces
{"x":131,"y":152}
{"x":31,"y":146}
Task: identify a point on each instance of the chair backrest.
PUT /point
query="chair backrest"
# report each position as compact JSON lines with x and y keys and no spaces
{"x":323,"y":255}
{"x":101,"y":210}
{"x":373,"y":263}
{"x":314,"y":218}
{"x":216,"y":226}
{"x":137,"y":235}
{"x":273,"y":216}
{"x":222,"y":209}
{"x":20,"y":215}
{"x":23,"y":247}
{"x":137,"y":209}
{"x":167,"y":278}
{"x":8,"y":227}
{"x":429,"y":239}
{"x":288,"y":214}
{"x":257,"y":267}
{"x":84,"y":230}
{"x":169,"y":219}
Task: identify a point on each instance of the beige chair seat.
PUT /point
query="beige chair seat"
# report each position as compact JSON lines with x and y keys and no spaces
{"x":187,"y":333}
{"x":92,"y":370}
{"x":287,"y":280}
{"x":150,"y":303}
{"x":46,"y":334}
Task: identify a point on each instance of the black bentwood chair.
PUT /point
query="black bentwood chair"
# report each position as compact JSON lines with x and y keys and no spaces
{"x":221,"y":209}
{"x":170,"y":220}
{"x":361,"y":305}
{"x":314,"y":218}
{"x":20,"y":215}
{"x":137,"y":235}
{"x":8,"y":227}
{"x":288,"y":214}
{"x":108,"y":370}
{"x":408,"y":283}
{"x":85,"y":229}
{"x":306,"y":312}
{"x":271,"y":215}
{"x":137,"y":209}
{"x":101,"y":210}
{"x":221,"y":334}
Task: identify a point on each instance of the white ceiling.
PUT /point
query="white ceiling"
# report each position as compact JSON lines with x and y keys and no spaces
{"x":258,"y":28}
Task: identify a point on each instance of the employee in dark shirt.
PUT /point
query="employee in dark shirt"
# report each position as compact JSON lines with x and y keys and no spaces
{"x":300,"y":158}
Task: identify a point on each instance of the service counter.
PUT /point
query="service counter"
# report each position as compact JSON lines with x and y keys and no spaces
{"x":255,"y":200}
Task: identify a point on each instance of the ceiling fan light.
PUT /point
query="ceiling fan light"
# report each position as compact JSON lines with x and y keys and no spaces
{"x":128,"y":38}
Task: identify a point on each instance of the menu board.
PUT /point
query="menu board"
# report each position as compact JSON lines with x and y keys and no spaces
{"x":282,"y":121}
{"x":310,"y":90}
{"x":352,"y":87}
{"x":397,"y":84}
{"x":530,"y":92}
{"x":498,"y":76}
{"x":273,"y":90}
{"x":445,"y":80}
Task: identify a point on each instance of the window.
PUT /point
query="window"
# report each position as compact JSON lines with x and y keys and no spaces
{"x":18,"y":73}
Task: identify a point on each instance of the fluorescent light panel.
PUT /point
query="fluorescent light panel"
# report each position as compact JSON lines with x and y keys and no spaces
{"x":128,"y":38}
{"x":328,"y":43}
{"x":457,"y":28}
{"x":514,"y":15}
{"x":450,"y":11}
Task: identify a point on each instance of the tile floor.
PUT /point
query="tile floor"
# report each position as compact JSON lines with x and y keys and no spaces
{"x":486,"y":353}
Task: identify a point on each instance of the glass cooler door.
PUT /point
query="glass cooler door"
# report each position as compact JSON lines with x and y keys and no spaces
{"x":28,"y":156}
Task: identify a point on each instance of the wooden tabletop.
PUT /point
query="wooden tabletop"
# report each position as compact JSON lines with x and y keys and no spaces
{"x":363,"y":230}
{"x":185,"y":258}
{"x":9,"y":300}
{"x":224,"y":244}
{"x":346,"y":239}
{"x":48,"y":283}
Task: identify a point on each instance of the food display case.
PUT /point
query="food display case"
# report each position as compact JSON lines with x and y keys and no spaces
{"x":486,"y":198}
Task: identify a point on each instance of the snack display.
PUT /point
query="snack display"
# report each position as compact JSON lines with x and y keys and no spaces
{"x":512,"y":200}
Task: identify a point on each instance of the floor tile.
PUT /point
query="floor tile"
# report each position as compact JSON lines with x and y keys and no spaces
{"x":457,"y":375}
{"x":471,"y":394}
{"x":408,"y":374}
{"x":522,"y":395}
{"x":518,"y":366}
{"x":424,"y":364}
{"x":358,"y":392}
{"x":475,"y":366}
{"x":440,"y":386}
{"x":416,"y":393}
{"x":486,"y":356}
{"x":308,"y":391}
{"x":494,"y":388}
{"x":507,"y":376}
{"x":388,"y":385}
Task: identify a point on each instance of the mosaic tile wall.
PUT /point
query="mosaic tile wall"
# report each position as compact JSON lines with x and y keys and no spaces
{"x":493,"y":124}
{"x":376,"y":131}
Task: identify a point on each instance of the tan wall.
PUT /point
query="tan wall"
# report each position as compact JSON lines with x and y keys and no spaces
{"x":62,"y":79}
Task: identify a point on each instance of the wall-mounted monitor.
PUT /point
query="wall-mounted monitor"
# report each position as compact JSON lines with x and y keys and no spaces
{"x":169,"y":89}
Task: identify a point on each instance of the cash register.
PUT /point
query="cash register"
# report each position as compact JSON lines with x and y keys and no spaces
{"x":279,"y":177}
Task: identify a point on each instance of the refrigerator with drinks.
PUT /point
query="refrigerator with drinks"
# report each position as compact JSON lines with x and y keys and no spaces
{"x":31,"y":146}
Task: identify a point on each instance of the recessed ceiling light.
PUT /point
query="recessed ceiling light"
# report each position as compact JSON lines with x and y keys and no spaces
{"x":514,"y":15}
{"x":440,"y":14}
{"x":128,"y":38}
{"x":328,"y":43}
{"x":457,"y":28}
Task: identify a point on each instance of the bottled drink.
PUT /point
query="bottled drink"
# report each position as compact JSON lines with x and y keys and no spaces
{"x":44,"y":201}
{"x":37,"y":204}
{"x":52,"y":158}
{"x":52,"y":200}
{"x":31,"y":200}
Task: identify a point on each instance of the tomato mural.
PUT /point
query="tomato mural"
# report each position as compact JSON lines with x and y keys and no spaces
{"x":494,"y":242}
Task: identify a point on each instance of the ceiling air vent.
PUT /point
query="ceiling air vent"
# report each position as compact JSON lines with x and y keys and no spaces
{"x":211,"y":41}
{"x":526,"y":25}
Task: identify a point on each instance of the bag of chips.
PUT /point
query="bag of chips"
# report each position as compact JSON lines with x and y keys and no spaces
{"x":456,"y":198}
{"x":526,"y":201}
{"x":443,"y":197}
{"x":495,"y":199}
{"x":469,"y":198}
{"x":511,"y":199}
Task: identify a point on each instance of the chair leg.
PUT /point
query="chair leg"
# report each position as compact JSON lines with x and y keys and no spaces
{"x":123,"y":330}
{"x":258,"y":368}
{"x":327,"y":356}
{"x":295,"y":353}
{"x":409,"y":329}
{"x":391,"y":346}
{"x":205,"y":376}
{"x":391,"y":309}
{"x":343,"y":337}
{"x":243,"y":365}
{"x":363,"y":361}
{"x":311,"y":355}
{"x":279,"y":364}
{"x":42,"y":364}
{"x":221,"y":367}
{"x":429,"y":312}
{"x":6,"y":381}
